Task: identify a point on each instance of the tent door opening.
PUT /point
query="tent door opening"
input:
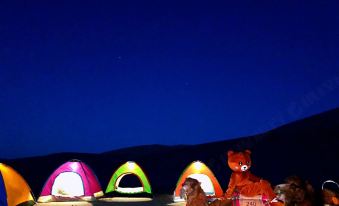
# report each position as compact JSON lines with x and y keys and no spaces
{"x":206,"y":183}
{"x":129,"y":183}
{"x":68,"y":184}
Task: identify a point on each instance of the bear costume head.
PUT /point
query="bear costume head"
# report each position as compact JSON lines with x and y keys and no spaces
{"x":239,"y":161}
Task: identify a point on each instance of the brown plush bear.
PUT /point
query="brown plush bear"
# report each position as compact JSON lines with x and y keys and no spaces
{"x":296,"y":192}
{"x":195,"y":196}
{"x":242,"y":180}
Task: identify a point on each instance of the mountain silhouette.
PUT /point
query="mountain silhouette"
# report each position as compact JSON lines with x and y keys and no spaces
{"x":308,"y":148}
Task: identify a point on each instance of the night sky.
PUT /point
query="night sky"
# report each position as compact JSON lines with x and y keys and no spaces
{"x":93,"y":76}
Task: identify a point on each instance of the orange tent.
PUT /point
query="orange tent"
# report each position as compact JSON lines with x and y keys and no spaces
{"x":204,"y":175}
{"x":13,"y":188}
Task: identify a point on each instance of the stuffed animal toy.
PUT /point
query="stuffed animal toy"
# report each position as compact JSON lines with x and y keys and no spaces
{"x":330,"y":196}
{"x":242,"y":180}
{"x":295,"y":191}
{"x":193,"y":193}
{"x":195,"y":196}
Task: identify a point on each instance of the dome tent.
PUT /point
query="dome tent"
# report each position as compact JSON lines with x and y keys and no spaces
{"x":129,"y":168}
{"x":73,"y":180}
{"x":204,"y":175}
{"x":14,"y":190}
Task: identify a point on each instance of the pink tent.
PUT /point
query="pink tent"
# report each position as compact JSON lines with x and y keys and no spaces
{"x":73,"y":180}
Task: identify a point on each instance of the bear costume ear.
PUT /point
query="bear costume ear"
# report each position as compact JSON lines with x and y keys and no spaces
{"x":229,"y":153}
{"x":248,"y":151}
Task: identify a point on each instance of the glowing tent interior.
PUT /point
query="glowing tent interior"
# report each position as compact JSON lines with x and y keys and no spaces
{"x":73,"y":180}
{"x":14,"y":190}
{"x":204,"y":175}
{"x":129,"y":168}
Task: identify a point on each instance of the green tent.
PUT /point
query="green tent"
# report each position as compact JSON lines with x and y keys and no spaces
{"x":127,"y":169}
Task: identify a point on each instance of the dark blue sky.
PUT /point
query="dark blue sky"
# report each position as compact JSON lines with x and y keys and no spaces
{"x":92,"y":76}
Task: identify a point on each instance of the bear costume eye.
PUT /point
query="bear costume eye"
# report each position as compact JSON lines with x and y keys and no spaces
{"x":240,"y":163}
{"x":248,"y":162}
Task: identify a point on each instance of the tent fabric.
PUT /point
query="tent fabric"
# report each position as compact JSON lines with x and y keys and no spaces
{"x":3,"y":194}
{"x":125,"y":169}
{"x":14,"y":190}
{"x":60,"y":185}
{"x":198,"y":169}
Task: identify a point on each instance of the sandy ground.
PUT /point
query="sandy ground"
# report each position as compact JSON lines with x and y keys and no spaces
{"x":161,"y":200}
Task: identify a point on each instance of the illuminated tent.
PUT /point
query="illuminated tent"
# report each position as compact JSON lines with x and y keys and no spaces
{"x":14,"y":190}
{"x":129,"y":168}
{"x":73,"y":180}
{"x":204,"y":175}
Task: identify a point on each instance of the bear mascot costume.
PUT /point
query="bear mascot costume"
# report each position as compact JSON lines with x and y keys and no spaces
{"x":243,"y":181}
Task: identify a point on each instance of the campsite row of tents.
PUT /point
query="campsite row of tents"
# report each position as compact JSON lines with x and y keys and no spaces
{"x":74,"y":180}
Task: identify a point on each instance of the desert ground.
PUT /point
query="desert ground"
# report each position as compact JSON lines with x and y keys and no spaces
{"x":159,"y":200}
